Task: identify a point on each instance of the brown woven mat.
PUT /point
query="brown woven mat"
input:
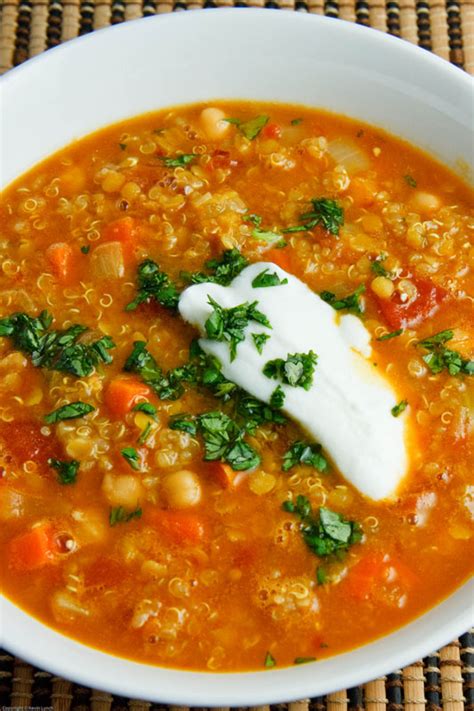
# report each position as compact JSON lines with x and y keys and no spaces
{"x":444,"y":680}
{"x":446,"y":27}
{"x":28,"y":27}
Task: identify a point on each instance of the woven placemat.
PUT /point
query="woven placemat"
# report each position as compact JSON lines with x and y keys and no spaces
{"x":445,"y":679}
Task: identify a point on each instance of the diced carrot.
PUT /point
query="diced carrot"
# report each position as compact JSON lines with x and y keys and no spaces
{"x":271,"y":130}
{"x":363,"y":191}
{"x":280,"y":257}
{"x":363,"y":576}
{"x":224,"y":475}
{"x":31,"y":550}
{"x":122,"y":394}
{"x":176,"y":526}
{"x":123,"y":230}
{"x":60,"y":255}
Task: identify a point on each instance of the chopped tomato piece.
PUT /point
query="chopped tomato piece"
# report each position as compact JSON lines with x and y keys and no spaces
{"x":177,"y":526}
{"x":60,"y":256}
{"x":374,"y":571}
{"x":414,"y":311}
{"x":24,"y":441}
{"x":280,"y":257}
{"x":220,"y":159}
{"x":125,"y":231}
{"x":31,"y":550}
{"x":271,"y":130}
{"x":225,"y":475}
{"x":124,"y":393}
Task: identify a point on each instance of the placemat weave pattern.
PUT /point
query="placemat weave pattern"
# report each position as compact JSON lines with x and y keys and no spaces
{"x":28,"y":27}
{"x":442,"y":681}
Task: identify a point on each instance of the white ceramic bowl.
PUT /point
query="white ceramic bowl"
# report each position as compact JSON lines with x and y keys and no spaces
{"x":249,"y":54}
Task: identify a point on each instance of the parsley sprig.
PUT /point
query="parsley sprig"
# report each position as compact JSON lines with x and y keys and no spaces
{"x":304,"y":453}
{"x":296,"y":370}
{"x":67,"y":471}
{"x":179,"y":161}
{"x":439,"y":357}
{"x":230,"y":324}
{"x":251,"y":128}
{"x":168,"y":386}
{"x":71,"y":411}
{"x":327,"y":534}
{"x":154,"y":285}
{"x":222,"y":270}
{"x":120,"y":515}
{"x":325,"y":212}
{"x":265,"y":279}
{"x":351,"y":302}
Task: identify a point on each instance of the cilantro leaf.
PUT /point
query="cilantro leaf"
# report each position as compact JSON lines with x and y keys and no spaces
{"x":304,"y":660}
{"x":270,"y":661}
{"x":260,"y":339}
{"x":321,"y":575}
{"x":255,"y":413}
{"x":326,"y":212}
{"x":389,"y":336}
{"x":184,"y":423}
{"x":178,"y":161}
{"x":167,"y":386}
{"x":410,"y":180}
{"x":130,"y":455}
{"x":439,"y":357}
{"x":260,"y":234}
{"x":223,"y":270}
{"x":265,"y":279}
{"x":230,"y":324}
{"x":153,"y":284}
{"x":277,"y":398}
{"x":147,"y":408}
{"x":304,"y":453}
{"x":55,"y":349}
{"x":120,"y":515}
{"x":251,"y":128}
{"x":297,"y":370}
{"x":398,"y":409}
{"x":85,"y":249}
{"x":67,"y":471}
{"x":71,"y":411}
{"x":351,"y":302}
{"x":328,"y":534}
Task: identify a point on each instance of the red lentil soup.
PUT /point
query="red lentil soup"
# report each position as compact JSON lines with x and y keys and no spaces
{"x":149,"y":540}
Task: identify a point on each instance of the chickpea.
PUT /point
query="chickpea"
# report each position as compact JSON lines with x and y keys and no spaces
{"x":122,"y":489}
{"x":426,"y":203}
{"x":112,"y":182}
{"x":182,"y":489}
{"x":213,"y":124}
{"x":382,"y":287}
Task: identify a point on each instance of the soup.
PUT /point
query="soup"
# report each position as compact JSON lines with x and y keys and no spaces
{"x":154,"y":507}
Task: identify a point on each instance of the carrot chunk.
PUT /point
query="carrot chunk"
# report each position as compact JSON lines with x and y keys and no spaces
{"x":123,"y":393}
{"x":224,"y":475}
{"x":60,"y":256}
{"x":280,"y":257}
{"x":177,"y":526}
{"x":31,"y":550}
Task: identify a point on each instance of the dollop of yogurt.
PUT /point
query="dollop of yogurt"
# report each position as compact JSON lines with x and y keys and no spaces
{"x":348,"y":406}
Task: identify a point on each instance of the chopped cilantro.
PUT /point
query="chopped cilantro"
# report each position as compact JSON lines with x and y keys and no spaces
{"x":329,"y":534}
{"x":277,"y":398}
{"x":326,"y":212}
{"x":352,"y":302}
{"x":147,"y":408}
{"x":153,"y":284}
{"x":389,"y":336}
{"x":439,"y":357}
{"x":398,"y":409}
{"x":410,"y":180}
{"x":230,"y":324}
{"x":304,"y":660}
{"x":122,"y":146}
{"x":296,"y":121}
{"x":120,"y":515}
{"x":304,"y":453}
{"x":265,"y":279}
{"x":85,"y":249}
{"x":67,"y":471}
{"x":223,"y":270}
{"x":56,"y":350}
{"x":270,"y":661}
{"x":145,"y":433}
{"x":71,"y":411}
{"x":130,"y":455}
{"x":167,"y":386}
{"x":260,"y":234}
{"x":260,"y":339}
{"x":378,"y":268}
{"x":297,"y":370}
{"x":321,"y":575}
{"x":178,"y":161}
{"x":255,"y":413}
{"x":251,"y":128}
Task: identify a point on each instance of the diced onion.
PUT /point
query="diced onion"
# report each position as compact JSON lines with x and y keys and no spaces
{"x":107,"y":261}
{"x":347,"y":153}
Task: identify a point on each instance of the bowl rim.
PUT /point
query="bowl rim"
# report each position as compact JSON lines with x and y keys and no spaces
{"x":210,"y":689}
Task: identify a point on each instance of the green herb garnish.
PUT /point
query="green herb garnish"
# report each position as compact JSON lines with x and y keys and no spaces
{"x":85,"y":249}
{"x":297,"y":370}
{"x":223,"y":270}
{"x":389,"y":336}
{"x":67,"y":471}
{"x":304,"y":453}
{"x":270,"y":661}
{"x":277,"y":398}
{"x":439,"y":357}
{"x":251,"y":128}
{"x":260,"y":339}
{"x":260,"y":234}
{"x":147,"y":408}
{"x":122,"y":146}
{"x":153,"y":284}
{"x":296,"y":121}
{"x":130,"y":455}
{"x":56,"y":350}
{"x":326,"y":535}
{"x":321,"y":575}
{"x":352,"y":302}
{"x":230,"y":324}
{"x":304,"y":660}
{"x":167,"y":386}
{"x":120,"y":515}
{"x":145,"y":433}
{"x":326,"y":212}
{"x":398,"y":409}
{"x":178,"y":161}
{"x":265,"y":279}
{"x":410,"y":180}
{"x":71,"y":411}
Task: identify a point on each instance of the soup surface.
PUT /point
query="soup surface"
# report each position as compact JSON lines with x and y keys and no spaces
{"x":151,"y":508}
